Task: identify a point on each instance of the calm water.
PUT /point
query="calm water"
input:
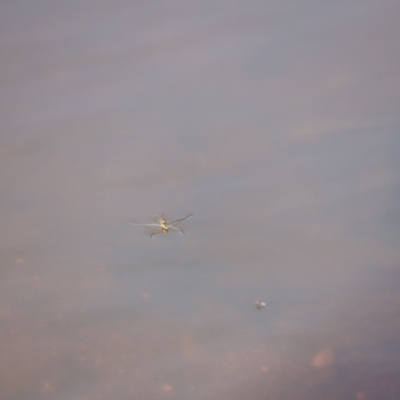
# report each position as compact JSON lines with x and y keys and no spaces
{"x":276,"y":123}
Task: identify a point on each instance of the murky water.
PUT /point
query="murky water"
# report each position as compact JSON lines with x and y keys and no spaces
{"x":274,"y":122}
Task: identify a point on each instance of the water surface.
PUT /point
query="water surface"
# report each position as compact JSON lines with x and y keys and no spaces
{"x":275,"y":123}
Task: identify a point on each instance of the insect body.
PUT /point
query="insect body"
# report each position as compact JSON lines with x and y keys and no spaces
{"x":163,"y":226}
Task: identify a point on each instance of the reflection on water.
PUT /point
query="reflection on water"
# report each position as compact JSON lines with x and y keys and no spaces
{"x":276,"y":124}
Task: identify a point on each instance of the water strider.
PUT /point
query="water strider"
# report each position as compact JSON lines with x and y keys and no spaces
{"x":163,"y":226}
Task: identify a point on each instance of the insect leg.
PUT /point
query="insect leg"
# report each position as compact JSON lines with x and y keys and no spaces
{"x":178,"y":221}
{"x":154,"y":233}
{"x":177,"y":229}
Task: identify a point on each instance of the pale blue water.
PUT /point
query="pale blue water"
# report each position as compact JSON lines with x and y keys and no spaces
{"x":274,"y":122}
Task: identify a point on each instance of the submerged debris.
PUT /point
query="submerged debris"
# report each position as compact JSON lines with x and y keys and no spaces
{"x":260,"y":305}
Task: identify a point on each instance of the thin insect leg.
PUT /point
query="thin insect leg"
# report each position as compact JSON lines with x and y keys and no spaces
{"x":177,"y":229}
{"x":177,"y":221}
{"x":154,"y":233}
{"x":133,"y":223}
{"x":173,"y":228}
{"x":148,"y":226}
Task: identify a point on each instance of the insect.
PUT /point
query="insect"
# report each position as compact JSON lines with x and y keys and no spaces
{"x":163,"y":226}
